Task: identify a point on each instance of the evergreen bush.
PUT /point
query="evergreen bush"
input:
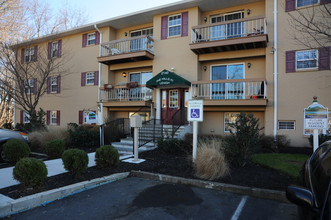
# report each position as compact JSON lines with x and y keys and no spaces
{"x":30,"y":172}
{"x":15,"y":149}
{"x":172,"y":146}
{"x":55,"y":148}
{"x":106,"y":157}
{"x":75,"y":161}
{"x":83,"y":135}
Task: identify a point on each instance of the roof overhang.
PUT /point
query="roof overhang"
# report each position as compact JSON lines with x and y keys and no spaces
{"x":167,"y":79}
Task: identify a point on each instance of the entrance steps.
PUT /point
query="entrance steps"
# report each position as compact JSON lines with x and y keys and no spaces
{"x":125,"y":146}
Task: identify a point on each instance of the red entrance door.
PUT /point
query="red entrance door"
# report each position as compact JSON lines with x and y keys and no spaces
{"x":171,"y":102}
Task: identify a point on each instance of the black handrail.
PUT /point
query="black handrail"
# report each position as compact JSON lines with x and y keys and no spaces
{"x":152,"y":130}
{"x":116,"y":129}
{"x":178,"y":119}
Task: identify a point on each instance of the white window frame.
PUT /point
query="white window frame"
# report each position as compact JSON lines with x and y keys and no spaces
{"x":26,"y":117}
{"x":29,"y":54}
{"x":29,"y":86}
{"x":89,"y":79}
{"x":296,"y":4}
{"x":297,"y":60}
{"x":230,"y":122}
{"x":54,"y":49}
{"x":176,"y":25}
{"x":286,"y":126}
{"x":53,"y":118}
{"x":54,"y":85}
{"x":90,"y":39}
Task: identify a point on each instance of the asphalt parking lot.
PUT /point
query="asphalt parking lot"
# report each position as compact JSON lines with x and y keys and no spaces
{"x":137,"y":198}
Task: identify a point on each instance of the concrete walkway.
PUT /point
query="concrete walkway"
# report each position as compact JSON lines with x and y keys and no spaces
{"x":54,"y":167}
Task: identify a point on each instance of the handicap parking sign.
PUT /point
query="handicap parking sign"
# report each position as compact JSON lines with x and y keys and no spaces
{"x":195,"y":110}
{"x":195,"y":113}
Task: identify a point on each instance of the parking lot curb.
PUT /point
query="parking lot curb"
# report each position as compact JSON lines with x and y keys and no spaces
{"x":243,"y":190}
{"x":13,"y":206}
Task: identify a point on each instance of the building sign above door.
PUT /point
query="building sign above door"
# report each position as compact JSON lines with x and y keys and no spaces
{"x":167,"y":79}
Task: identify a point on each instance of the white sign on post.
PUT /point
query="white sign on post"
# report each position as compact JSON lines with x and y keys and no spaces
{"x":195,"y":114}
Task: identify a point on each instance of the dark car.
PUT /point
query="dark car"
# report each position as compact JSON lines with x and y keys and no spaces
{"x":6,"y":135}
{"x":314,"y":199}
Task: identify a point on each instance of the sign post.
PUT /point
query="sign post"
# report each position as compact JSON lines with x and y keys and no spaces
{"x":195,"y":114}
{"x":316,"y":118}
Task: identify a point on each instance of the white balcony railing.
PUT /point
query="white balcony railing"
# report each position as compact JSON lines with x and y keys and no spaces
{"x":123,"y":93}
{"x":127,"y":45}
{"x":229,"y":29}
{"x":230,"y":89}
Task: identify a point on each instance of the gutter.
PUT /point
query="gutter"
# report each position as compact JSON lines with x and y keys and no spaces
{"x":100,"y":110}
{"x":275,"y":49}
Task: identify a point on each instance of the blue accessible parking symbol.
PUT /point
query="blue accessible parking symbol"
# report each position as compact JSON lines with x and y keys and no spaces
{"x":195,"y":113}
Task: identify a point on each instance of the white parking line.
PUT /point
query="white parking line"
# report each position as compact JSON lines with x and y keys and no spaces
{"x":239,"y":208}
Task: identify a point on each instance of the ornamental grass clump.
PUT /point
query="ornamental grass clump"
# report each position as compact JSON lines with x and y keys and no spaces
{"x":55,"y":148}
{"x":15,"y":149}
{"x":210,"y":162}
{"x":75,"y":161}
{"x":30,"y":172}
{"x":106,"y":157}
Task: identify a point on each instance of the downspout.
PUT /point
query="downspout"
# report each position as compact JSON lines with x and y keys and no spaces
{"x":99,"y":91}
{"x":275,"y":49}
{"x":14,"y":102}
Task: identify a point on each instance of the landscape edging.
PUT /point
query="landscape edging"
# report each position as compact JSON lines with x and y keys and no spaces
{"x":243,"y":190}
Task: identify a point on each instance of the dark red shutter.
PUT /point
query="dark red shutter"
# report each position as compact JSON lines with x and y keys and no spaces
{"x":96,"y":78}
{"x":34,"y":86}
{"x":184,"y":24}
{"x":97,"y":38}
{"x":22,"y":55}
{"x":290,"y":5}
{"x":324,"y":58}
{"x":48,"y":85}
{"x":35,"y":53}
{"x":49,"y":50}
{"x":59,"y":47}
{"x":82,"y":83}
{"x":164,"y":27}
{"x":325,"y":2}
{"x":58,"y":119}
{"x":21,"y":115}
{"x":84,"y":39}
{"x":58,"y":84}
{"x":290,"y":61}
{"x":80,"y":117}
{"x":48,"y":117}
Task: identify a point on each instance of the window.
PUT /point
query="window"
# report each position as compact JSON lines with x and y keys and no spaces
{"x":301,"y":3}
{"x":54,"y":85}
{"x":164,"y":99}
{"x":91,"y":39}
{"x":26,"y":117}
{"x":141,"y":78}
{"x":286,"y":125}
{"x":306,"y":59}
{"x":229,"y":120}
{"x":90,"y":78}
{"x":29,"y":54}
{"x":53,"y":118}
{"x":231,"y":30}
{"x":29,"y":86}
{"x":140,"y":43}
{"x":174,"y":27}
{"x":186,"y":97}
{"x":329,"y":123}
{"x":54,"y":49}
{"x":173,"y":98}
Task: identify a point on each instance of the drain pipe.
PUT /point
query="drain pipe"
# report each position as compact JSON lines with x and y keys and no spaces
{"x":275,"y":49}
{"x":99,"y":92}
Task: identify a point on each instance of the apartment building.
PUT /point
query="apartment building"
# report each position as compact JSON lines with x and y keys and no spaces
{"x":222,"y":52}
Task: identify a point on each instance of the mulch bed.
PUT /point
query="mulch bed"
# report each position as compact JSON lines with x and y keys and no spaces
{"x":252,"y":175}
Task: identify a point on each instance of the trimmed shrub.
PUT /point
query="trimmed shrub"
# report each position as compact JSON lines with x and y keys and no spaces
{"x":54,"y":149}
{"x":75,"y":161}
{"x":244,"y":142}
{"x":267,"y":142}
{"x":210,"y":162}
{"x":15,"y":149}
{"x":106,"y":157}
{"x":172,"y":146}
{"x":83,"y":135}
{"x":321,"y":139}
{"x":30,"y":172}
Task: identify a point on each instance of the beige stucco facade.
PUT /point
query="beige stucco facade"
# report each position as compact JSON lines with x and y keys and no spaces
{"x":253,"y":51}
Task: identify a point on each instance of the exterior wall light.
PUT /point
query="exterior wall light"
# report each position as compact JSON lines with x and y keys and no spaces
{"x":205,"y":19}
{"x":205,"y":68}
{"x":248,"y":11}
{"x":124,"y":74}
{"x":249,"y":65}
{"x":126,"y":34}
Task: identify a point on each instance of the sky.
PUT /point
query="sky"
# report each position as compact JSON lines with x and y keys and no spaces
{"x":105,"y":9}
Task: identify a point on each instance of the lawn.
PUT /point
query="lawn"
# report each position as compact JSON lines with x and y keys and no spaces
{"x":289,"y":164}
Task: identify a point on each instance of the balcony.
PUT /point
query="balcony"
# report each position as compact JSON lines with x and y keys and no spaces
{"x":127,"y":50}
{"x":132,"y":96}
{"x":230,"y":35}
{"x":236,"y":92}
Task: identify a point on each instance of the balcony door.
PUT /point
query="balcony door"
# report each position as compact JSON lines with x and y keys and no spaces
{"x":140,"y":43}
{"x":140,"y":93}
{"x":230,"y":90}
{"x":232,"y":30}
